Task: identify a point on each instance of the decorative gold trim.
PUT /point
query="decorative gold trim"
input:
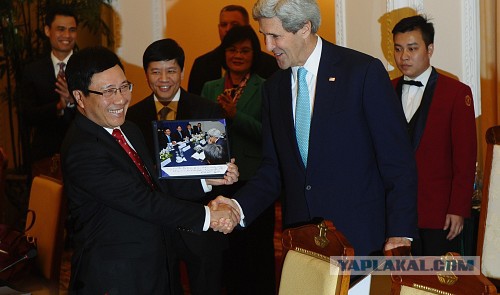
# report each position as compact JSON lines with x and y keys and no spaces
{"x":313,"y":254}
{"x":431,"y":290}
{"x":447,"y":277}
{"x":321,"y":240}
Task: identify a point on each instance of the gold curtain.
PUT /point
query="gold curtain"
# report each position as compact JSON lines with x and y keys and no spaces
{"x":490,"y":57}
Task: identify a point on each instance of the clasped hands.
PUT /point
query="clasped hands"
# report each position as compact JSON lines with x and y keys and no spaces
{"x":224,"y":214}
{"x":62,"y":89}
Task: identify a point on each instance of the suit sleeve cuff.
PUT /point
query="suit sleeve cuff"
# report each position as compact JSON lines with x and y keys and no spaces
{"x":242,"y":216}
{"x":206,"y":187}
{"x":206,"y":224}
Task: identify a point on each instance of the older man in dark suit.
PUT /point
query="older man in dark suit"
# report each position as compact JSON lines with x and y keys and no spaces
{"x":360,"y":173}
{"x":163,"y":63}
{"x":120,"y":210}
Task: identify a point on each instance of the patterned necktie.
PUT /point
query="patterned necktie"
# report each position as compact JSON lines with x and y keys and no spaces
{"x":118,"y":135}
{"x":163,"y":113}
{"x":61,"y":65}
{"x":302,"y":115}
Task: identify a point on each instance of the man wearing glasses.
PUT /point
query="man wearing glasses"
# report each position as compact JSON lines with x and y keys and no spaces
{"x":119,"y":208}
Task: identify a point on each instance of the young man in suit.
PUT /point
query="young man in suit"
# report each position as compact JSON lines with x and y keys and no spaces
{"x":197,"y":129}
{"x":179,"y":134}
{"x":360,"y":174}
{"x":164,"y":138}
{"x":119,"y":208}
{"x":208,"y":67}
{"x":441,"y":123}
{"x":189,"y":131}
{"x":163,"y":62}
{"x":46,"y":105}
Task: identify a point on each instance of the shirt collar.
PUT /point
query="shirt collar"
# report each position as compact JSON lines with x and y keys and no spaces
{"x":110,"y":130}
{"x":55,"y":60}
{"x":423,"y":78}
{"x":159,"y":105}
{"x":312,"y":62}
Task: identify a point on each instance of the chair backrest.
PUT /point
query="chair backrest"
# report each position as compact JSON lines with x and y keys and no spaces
{"x":445,"y":283}
{"x":46,"y":200}
{"x":306,"y":267}
{"x":488,"y":244}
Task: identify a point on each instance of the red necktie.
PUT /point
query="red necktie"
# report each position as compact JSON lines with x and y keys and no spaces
{"x":118,"y":135}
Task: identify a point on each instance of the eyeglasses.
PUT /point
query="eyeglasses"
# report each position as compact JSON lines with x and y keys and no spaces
{"x":243,"y":51}
{"x":107,"y":93}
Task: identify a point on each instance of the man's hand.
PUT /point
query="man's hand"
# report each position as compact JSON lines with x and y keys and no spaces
{"x":394,"y":242}
{"x":455,"y":223}
{"x":223,"y":218}
{"x":230,"y":177}
{"x":62,"y":90}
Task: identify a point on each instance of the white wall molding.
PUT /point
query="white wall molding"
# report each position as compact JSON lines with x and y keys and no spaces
{"x":159,"y":19}
{"x":471,"y":50}
{"x":340,"y":23}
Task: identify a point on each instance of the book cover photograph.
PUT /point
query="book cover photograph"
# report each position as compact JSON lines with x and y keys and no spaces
{"x":191,"y":148}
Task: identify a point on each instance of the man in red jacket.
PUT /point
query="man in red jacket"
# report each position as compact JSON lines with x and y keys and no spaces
{"x":441,"y":124}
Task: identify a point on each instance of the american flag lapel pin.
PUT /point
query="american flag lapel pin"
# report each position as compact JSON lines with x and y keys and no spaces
{"x":331,"y":79}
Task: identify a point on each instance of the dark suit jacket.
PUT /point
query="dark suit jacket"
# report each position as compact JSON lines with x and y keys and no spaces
{"x":178,"y":137}
{"x":189,"y":134}
{"x":118,"y":221}
{"x":197,"y":130}
{"x":163,"y":140}
{"x":361,"y":171}
{"x":190,"y":107}
{"x":208,"y":67}
{"x":38,"y":107}
{"x":444,"y":141}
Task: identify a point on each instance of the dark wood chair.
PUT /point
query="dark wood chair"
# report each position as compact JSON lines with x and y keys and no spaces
{"x":306,"y":267}
{"x":488,"y":241}
{"x":444,"y":283}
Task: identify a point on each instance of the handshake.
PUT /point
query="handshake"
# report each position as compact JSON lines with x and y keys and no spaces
{"x":224,"y":214}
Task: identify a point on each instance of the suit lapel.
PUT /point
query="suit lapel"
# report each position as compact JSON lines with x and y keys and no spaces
{"x":184,"y":107}
{"x":141,"y":149}
{"x":424,"y":108}
{"x":150,"y":107}
{"x":47,"y":70}
{"x":325,"y":100}
{"x":108,"y":140}
{"x":285,"y":108}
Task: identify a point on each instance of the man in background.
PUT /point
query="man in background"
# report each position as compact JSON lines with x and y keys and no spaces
{"x":208,"y":67}
{"x":163,"y":63}
{"x":441,"y":123}
{"x":46,"y":105}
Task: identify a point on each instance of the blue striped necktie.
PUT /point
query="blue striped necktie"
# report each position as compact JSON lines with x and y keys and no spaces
{"x":302,"y":114}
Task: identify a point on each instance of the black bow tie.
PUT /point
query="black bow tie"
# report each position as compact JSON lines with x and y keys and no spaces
{"x":413,"y":83}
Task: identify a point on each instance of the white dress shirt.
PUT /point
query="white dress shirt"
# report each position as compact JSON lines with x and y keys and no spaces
{"x":411,"y":96}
